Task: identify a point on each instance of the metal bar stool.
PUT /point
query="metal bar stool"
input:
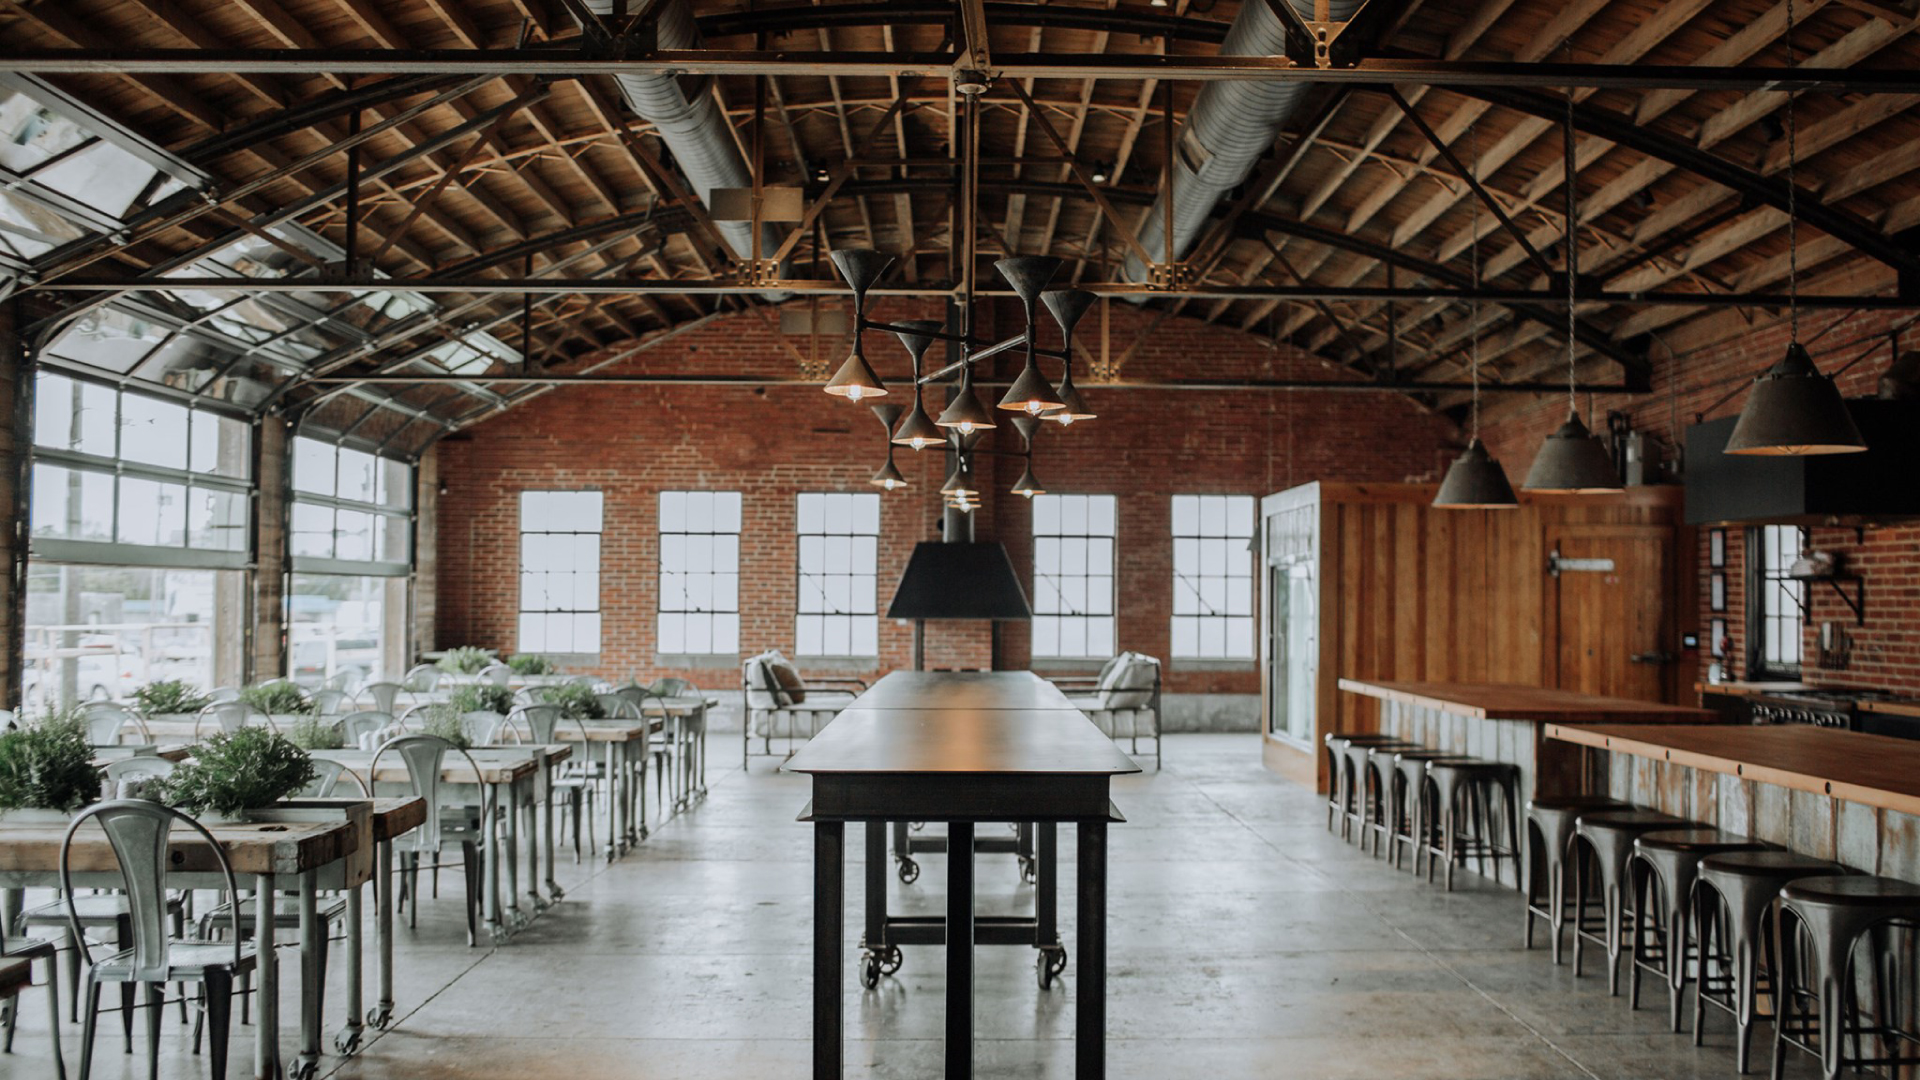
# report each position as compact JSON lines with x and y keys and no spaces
{"x":1367,"y":803}
{"x":1407,"y":821}
{"x":1461,"y":788}
{"x":1550,"y":824}
{"x":1608,"y":837}
{"x":1733,"y":906}
{"x":1829,"y":915}
{"x":1669,"y":860}
{"x":1339,"y":790}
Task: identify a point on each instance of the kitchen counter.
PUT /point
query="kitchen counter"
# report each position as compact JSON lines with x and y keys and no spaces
{"x":1892,"y":708}
{"x":1753,"y":689}
{"x":1539,"y":704}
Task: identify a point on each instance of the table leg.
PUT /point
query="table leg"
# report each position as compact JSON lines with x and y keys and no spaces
{"x":383,"y":896}
{"x":644,"y":756}
{"x":490,"y":858}
{"x":959,"y":950}
{"x":702,"y":735}
{"x":1046,"y":891}
{"x":1090,"y":1003}
{"x":829,"y":913}
{"x":874,"y":939}
{"x":348,"y":1040}
{"x":517,"y":790}
{"x":312,"y":937}
{"x":554,"y":891}
{"x":615,"y":778}
{"x":266,"y":1011}
{"x":530,"y":828}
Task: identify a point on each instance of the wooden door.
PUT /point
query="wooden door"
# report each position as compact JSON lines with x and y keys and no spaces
{"x":1612,"y":615}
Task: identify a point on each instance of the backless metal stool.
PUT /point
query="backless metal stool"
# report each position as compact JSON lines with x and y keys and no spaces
{"x":1829,"y":915}
{"x":1463,"y":789}
{"x":1342,"y":792}
{"x":1607,"y":836}
{"x":1669,"y":861}
{"x":1368,"y":782}
{"x":1733,"y":907}
{"x":1408,"y":823}
{"x":1549,"y":828}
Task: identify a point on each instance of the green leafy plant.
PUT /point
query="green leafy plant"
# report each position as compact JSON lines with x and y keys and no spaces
{"x":316,"y":733}
{"x":47,"y":765}
{"x":465,"y":660}
{"x":169,"y":697}
{"x":442,"y":719}
{"x":531,"y":664}
{"x":576,"y":701}
{"x":277,"y":699}
{"x":482,"y":698}
{"x":233,"y":771}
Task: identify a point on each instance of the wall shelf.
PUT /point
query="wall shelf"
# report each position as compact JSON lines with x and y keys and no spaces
{"x":1857,"y":602}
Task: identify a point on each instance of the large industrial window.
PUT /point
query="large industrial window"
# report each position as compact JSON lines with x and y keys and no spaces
{"x":699,"y":609}
{"x":1212,"y":577}
{"x":1775,"y":601}
{"x":1073,"y":576}
{"x":560,"y":571}
{"x":839,"y":549}
{"x":350,"y":510}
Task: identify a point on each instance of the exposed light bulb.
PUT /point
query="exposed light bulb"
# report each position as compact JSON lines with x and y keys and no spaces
{"x":889,"y":483}
{"x":920,"y":444}
{"x":1028,"y":495}
{"x":1034,"y":407}
{"x":966,"y":427}
{"x":1066,"y":417}
{"x":854,"y":392}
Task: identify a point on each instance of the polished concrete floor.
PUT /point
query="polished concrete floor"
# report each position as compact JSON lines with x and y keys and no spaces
{"x":1246,"y":942}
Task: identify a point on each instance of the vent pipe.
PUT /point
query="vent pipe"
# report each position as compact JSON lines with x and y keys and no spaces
{"x":1232,"y":123}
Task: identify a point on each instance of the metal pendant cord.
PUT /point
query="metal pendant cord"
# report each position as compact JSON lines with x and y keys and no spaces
{"x":1473,"y":310}
{"x":1793,"y":188}
{"x":1571,"y":241}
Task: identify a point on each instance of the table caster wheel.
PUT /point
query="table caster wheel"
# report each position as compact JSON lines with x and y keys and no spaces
{"x":347,"y":1042}
{"x":869,"y":970}
{"x":379,"y":1018}
{"x":891,"y":959}
{"x":303,"y":1070}
{"x":1029,"y":870}
{"x":1048,"y":965}
{"x":909,"y":871}
{"x":498,"y":934}
{"x":554,"y":890}
{"x":916,"y":826}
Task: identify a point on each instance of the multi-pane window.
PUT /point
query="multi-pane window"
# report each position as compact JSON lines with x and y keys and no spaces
{"x":1212,"y":577}
{"x":350,"y":509}
{"x":560,"y":571}
{"x":1774,"y":614}
{"x":839,"y":551}
{"x":699,"y":609}
{"x":115,"y":470}
{"x":1073,"y":576}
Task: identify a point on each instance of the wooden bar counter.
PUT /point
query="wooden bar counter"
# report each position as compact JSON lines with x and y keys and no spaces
{"x":1841,"y":795}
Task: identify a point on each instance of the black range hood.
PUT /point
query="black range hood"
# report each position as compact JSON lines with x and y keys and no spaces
{"x":1879,"y":486}
{"x":956,"y":578}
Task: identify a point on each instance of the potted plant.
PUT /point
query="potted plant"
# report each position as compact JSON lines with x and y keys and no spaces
{"x":531,"y":664}
{"x":576,"y":700}
{"x":464,"y":660}
{"x":169,"y":699}
{"x":234,"y":772}
{"x":482,"y":698}
{"x":281,"y":700}
{"x":442,"y":719}
{"x":46,"y":769}
{"x":316,"y":733}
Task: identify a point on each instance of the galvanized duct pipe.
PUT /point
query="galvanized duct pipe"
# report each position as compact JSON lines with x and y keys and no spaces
{"x":1230,"y":125}
{"x":694,"y":129}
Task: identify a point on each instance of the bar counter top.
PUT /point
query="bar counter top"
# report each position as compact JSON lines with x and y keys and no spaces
{"x":1542,"y":705}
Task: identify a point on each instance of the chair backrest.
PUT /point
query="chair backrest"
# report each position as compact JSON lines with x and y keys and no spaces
{"x":772,"y":682}
{"x":353,"y":725}
{"x":230,"y":716}
{"x":673,"y":687}
{"x":496,"y":673}
{"x":343,"y":681}
{"x":331,"y":702}
{"x":424,"y":755}
{"x":483,"y":727}
{"x":328,"y":777}
{"x":540,"y":720}
{"x":421,"y":678}
{"x":1132,"y":684}
{"x":618,"y":706}
{"x":385,"y":695}
{"x":139,"y":767}
{"x":140,"y":834}
{"x":105,"y":721}
{"x":223,"y":693}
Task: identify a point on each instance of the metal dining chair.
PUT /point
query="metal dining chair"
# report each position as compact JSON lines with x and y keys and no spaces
{"x":342,"y":681}
{"x":690,"y":732}
{"x":385,"y":695}
{"x":329,"y":774}
{"x":230,"y":716}
{"x":27,"y":950}
{"x":484,"y":727}
{"x":355,"y":724}
{"x":106,"y":721}
{"x":421,"y":679}
{"x":662,"y":746}
{"x":624,"y":704}
{"x":223,"y":693}
{"x":139,"y":833}
{"x":140,"y":767}
{"x":328,"y":702}
{"x":496,"y":673}
{"x":423,"y":756}
{"x":578,"y":776}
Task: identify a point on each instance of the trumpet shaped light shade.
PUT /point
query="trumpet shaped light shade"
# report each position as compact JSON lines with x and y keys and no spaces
{"x":888,"y":477}
{"x":965,"y":414}
{"x":1475,"y":481}
{"x":856,"y":380}
{"x":1794,"y":411}
{"x":960,"y":482}
{"x":1031,"y":393}
{"x":1572,"y":461}
{"x":1027,"y":486}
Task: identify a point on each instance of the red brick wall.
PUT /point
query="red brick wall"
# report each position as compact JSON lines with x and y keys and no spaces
{"x":772,"y":443}
{"x":1886,"y":651}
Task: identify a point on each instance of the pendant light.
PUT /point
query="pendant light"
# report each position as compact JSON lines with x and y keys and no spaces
{"x":1475,"y":481}
{"x":1067,"y":305}
{"x":1031,"y":393}
{"x":1793,"y":410}
{"x":861,"y":267}
{"x":888,"y":478}
{"x":960,"y":481}
{"x":1571,"y":461}
{"x":918,"y":430}
{"x":1027,"y":486}
{"x":965,"y":414}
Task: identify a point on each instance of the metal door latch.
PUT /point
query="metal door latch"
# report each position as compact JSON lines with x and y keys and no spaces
{"x":1556,"y":565}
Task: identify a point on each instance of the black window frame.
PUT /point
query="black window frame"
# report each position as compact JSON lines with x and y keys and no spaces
{"x":1761,"y":580}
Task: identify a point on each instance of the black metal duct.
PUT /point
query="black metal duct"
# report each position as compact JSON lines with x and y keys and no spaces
{"x":1875,"y":487}
{"x":956,"y":578}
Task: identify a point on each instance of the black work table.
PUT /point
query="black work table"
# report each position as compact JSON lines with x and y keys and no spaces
{"x":950,"y":748}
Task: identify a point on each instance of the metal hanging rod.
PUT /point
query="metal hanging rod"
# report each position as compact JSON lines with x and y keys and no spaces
{"x":752,"y":381}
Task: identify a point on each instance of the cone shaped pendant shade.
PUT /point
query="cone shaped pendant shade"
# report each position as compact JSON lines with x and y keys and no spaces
{"x":1027,"y":487}
{"x":1794,"y":411}
{"x":1030,"y":393}
{"x":960,"y":482}
{"x":856,"y":380}
{"x":1572,"y":461}
{"x":1067,"y":306}
{"x":918,"y":430}
{"x":1475,"y":481}
{"x":966,"y":415}
{"x":888,"y":476}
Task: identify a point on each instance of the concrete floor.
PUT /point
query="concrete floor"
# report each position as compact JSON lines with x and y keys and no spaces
{"x":1246,"y":942}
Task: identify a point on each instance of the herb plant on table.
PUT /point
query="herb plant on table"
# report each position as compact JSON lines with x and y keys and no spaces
{"x":47,"y":765}
{"x":235,"y":771}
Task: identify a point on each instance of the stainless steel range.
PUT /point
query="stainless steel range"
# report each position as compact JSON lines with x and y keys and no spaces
{"x":1834,"y":708}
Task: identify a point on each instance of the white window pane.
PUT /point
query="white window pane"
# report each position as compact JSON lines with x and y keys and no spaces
{"x":217,"y":520}
{"x":699,"y":510}
{"x":1186,"y":636}
{"x":53,"y":414}
{"x":812,"y":555}
{"x":53,"y":501}
{"x":866,"y":638}
{"x":1046,"y":514}
{"x":1073,"y":555}
{"x":1240,"y":596}
{"x":1099,"y":596}
{"x":839,"y":636}
{"x":1073,"y":637}
{"x":696,"y":554}
{"x":839,"y":593}
{"x":356,"y":475}
{"x":672,"y":636}
{"x":726,"y":634}
{"x":559,"y":632}
{"x":1046,"y":635}
{"x":726,"y":553}
{"x":153,"y":431}
{"x":1240,"y":516}
{"x":96,"y":506}
{"x":673,"y":511}
{"x":354,"y":535}
{"x":810,"y":514}
{"x":1046,"y":593}
{"x":673,"y":592}
{"x":585,"y":552}
{"x":96,"y":424}
{"x":699,"y":591}
{"x":866,"y":516}
{"x":1186,"y":558}
{"x":1073,"y":594}
{"x":807,"y":635}
{"x":866,"y":553}
{"x":1073,"y":514}
{"x":586,"y":633}
{"x":839,"y":554}
{"x":313,"y":463}
{"x":139,"y":521}
{"x":1240,"y":638}
{"x":1213,"y":637}
{"x":396,"y":483}
{"x":586,"y":592}
{"x":1213,"y":516}
{"x":865,"y":591}
{"x":1213,"y":595}
{"x":726,"y":511}
{"x":582,"y":511}
{"x":533,"y":636}
{"x":1186,"y":596}
{"x":1046,"y":555}
{"x":1099,"y":555}
{"x":1099,"y":637}
{"x":699,"y":633}
{"x":1186,"y":515}
{"x":1100,"y":515}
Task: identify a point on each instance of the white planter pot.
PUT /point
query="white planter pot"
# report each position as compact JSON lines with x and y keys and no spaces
{"x":35,"y":816}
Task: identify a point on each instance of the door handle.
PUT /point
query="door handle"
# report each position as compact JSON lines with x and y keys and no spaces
{"x":1657,"y":656}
